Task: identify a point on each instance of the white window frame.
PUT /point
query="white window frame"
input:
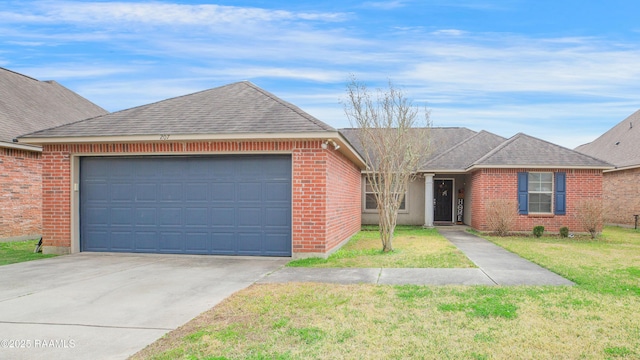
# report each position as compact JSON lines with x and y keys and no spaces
{"x":401,"y":210}
{"x":535,"y":192}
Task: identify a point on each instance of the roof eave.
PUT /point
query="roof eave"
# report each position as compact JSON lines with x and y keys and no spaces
{"x":622,"y":168}
{"x":27,"y":147}
{"x":549,"y":166}
{"x":345,"y":146}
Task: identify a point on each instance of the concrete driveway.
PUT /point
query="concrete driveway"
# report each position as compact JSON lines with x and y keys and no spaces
{"x":109,"y":306}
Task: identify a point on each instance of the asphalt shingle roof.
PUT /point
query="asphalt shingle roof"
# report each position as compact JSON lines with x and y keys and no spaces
{"x":441,"y":139}
{"x":238,"y":108}
{"x":524,"y":150}
{"x":620,"y":145}
{"x":28,"y":105}
{"x":465,"y":153}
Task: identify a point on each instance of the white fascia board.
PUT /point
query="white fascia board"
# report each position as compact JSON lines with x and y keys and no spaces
{"x":20,"y":146}
{"x":550,"y":166}
{"x":345,"y":147}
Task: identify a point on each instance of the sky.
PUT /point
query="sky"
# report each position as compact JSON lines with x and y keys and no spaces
{"x":564,"y":71}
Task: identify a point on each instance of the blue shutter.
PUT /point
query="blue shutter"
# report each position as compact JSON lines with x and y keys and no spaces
{"x":561,"y":194}
{"x":523,"y":193}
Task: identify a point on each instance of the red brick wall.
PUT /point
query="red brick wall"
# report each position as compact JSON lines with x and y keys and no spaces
{"x":344,"y":202}
{"x":622,"y":196}
{"x":491,"y":184}
{"x":20,"y":194}
{"x":318,"y":175}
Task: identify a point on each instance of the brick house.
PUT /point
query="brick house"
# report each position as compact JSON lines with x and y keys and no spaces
{"x":468,"y":169}
{"x":620,"y":146}
{"x":232,"y":170}
{"x":27,"y":105}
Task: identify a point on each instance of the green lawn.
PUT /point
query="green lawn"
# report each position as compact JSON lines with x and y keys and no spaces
{"x":19,"y":251}
{"x":599,"y":318}
{"x":414,"y":247}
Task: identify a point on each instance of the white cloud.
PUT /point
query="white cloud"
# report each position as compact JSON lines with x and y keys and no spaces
{"x":92,"y":13}
{"x":384,"y":5}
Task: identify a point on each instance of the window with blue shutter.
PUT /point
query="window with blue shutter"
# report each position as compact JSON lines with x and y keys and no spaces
{"x":523,"y":193}
{"x":561,"y":194}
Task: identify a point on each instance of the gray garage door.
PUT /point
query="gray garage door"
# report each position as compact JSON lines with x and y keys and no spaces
{"x":226,"y":205}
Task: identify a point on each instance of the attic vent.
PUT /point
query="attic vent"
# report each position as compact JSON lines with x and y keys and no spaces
{"x":618,"y":143}
{"x":630,"y":125}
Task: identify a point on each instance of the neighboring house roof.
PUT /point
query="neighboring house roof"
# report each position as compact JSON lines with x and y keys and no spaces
{"x":526,"y":151}
{"x":28,"y":105}
{"x":238,"y":108}
{"x":465,"y":153}
{"x":620,"y":145}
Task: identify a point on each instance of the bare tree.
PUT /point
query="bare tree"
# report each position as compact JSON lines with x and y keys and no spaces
{"x":590,"y":214}
{"x":501,"y":215}
{"x":394,"y":140}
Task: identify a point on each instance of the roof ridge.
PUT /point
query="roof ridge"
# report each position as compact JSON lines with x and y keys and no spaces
{"x":132,"y":108}
{"x":521,"y":135}
{"x":290,"y":106}
{"x":496,"y":149}
{"x":17,"y":73}
{"x":447,"y":151}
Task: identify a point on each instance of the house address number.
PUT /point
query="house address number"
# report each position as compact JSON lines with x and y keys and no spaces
{"x":164,"y":136}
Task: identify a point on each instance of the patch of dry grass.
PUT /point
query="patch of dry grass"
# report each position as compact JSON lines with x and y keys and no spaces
{"x":306,"y":321}
{"x":414,"y":247}
{"x":596,"y":319}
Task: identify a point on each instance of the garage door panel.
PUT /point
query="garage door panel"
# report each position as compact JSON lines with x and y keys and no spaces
{"x":171,"y":192}
{"x":248,"y":242}
{"x":278,"y":243}
{"x":99,"y":239}
{"x":146,"y":192}
{"x":277,"y":217}
{"x":223,"y":242}
{"x":97,"y":216}
{"x":249,"y":217}
{"x":223,"y":191}
{"x":232,"y":205}
{"x":171,"y":241}
{"x":96,"y":191}
{"x":276,"y":191}
{"x":196,"y":217}
{"x":195,"y":192}
{"x":224,"y":216}
{"x":122,"y":192}
{"x":249,"y":191}
{"x":146,"y":217}
{"x":122,"y":240}
{"x":170,"y":217}
{"x":146,"y":241}
{"x":197,"y":243}
{"x":122,"y":216}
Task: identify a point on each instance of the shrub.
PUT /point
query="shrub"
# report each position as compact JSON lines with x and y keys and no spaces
{"x":538,"y":231}
{"x":501,"y":215}
{"x":589,"y":215}
{"x":564,"y":232}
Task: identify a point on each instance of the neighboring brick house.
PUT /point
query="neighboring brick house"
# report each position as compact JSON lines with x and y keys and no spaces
{"x":232,"y":170}
{"x":620,"y":146}
{"x":27,"y":105}
{"x":466,"y":170}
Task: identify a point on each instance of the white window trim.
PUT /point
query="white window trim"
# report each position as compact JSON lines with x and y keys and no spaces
{"x":364,"y":200}
{"x":551,"y":193}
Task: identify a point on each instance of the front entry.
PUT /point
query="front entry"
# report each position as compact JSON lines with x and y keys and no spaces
{"x":443,"y":205}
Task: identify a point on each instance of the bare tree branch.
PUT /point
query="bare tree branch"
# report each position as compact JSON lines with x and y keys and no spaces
{"x":395,"y":141}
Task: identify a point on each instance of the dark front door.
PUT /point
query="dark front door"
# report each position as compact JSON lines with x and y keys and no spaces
{"x":442,"y":193}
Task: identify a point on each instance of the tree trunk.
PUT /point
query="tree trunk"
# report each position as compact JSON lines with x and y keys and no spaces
{"x":387,"y":228}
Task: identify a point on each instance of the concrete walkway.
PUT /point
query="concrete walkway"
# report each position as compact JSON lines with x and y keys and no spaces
{"x":496,"y":266}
